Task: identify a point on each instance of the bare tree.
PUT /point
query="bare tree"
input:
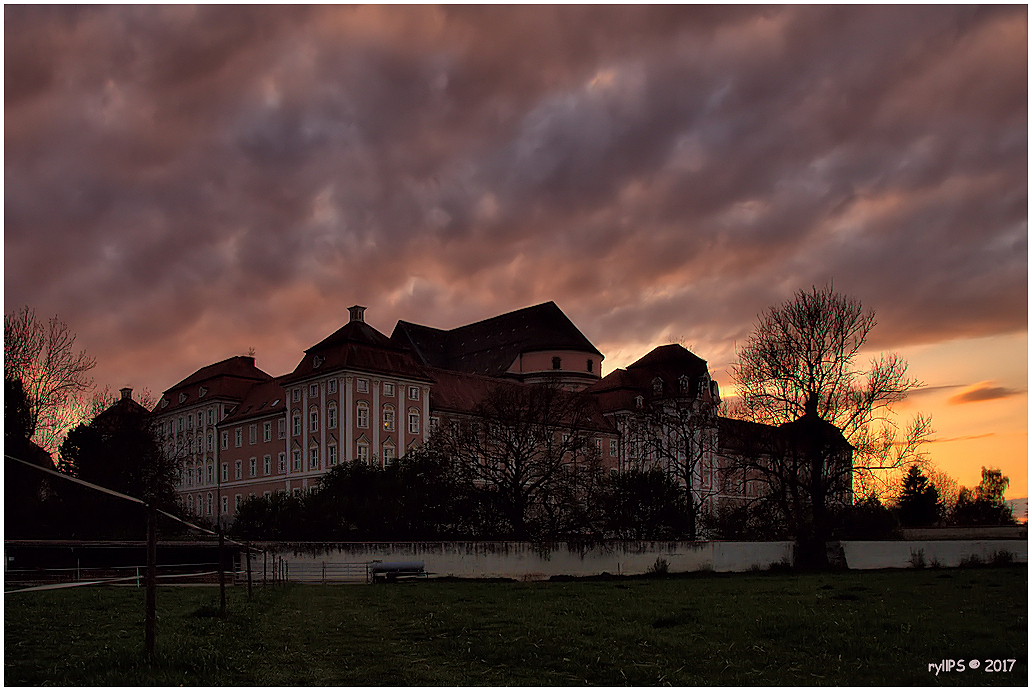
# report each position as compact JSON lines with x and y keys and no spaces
{"x":800,"y":364}
{"x":679,"y":434}
{"x":526,"y":448}
{"x":54,"y":375}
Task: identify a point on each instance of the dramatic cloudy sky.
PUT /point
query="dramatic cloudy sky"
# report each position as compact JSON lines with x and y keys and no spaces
{"x":182,"y":183}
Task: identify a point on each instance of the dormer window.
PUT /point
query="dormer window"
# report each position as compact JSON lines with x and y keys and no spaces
{"x":317,"y":361}
{"x":557,"y":363}
{"x":657,"y":386}
{"x":182,"y":397}
{"x":164,"y":402}
{"x":683,"y":381}
{"x":591,"y":365}
{"x":202,"y":392}
{"x":638,"y":401}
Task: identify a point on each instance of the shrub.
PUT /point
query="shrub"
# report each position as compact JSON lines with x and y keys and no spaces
{"x":661,"y":567}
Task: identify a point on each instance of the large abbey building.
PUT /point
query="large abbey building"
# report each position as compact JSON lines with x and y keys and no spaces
{"x":361,"y":395}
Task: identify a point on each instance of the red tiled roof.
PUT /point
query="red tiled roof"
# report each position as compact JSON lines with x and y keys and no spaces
{"x":490,"y":346}
{"x":229,"y":379}
{"x":618,"y":389}
{"x":357,"y":346}
{"x":459,"y":392}
{"x":263,"y":399}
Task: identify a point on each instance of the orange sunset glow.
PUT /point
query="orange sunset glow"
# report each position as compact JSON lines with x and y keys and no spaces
{"x":186,"y":183}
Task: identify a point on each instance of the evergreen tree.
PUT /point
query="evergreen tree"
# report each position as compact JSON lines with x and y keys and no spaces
{"x":918,"y":504}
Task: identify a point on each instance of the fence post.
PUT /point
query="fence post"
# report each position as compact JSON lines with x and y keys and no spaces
{"x":248,"y":548}
{"x":150,"y":622}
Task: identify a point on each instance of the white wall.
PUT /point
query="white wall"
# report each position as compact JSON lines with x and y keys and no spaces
{"x":947,"y":553}
{"x":528,"y":561}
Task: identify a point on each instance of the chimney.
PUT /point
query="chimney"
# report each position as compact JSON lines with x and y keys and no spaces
{"x":357,"y":313}
{"x":127,"y":393}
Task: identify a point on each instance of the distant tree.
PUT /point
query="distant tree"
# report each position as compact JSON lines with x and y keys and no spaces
{"x":918,"y":505}
{"x":801,"y":363}
{"x":678,"y":431}
{"x":644,"y":505}
{"x":866,"y":519}
{"x":29,"y":504}
{"x":280,"y":516}
{"x":119,"y":450}
{"x":985,"y":504}
{"x":53,"y":374}
{"x":520,"y":447}
{"x":946,"y":486}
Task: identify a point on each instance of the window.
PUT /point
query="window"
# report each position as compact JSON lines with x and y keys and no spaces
{"x":435,"y":423}
{"x":313,"y":458}
{"x":297,"y":423}
{"x":189,"y":477}
{"x":657,"y":386}
{"x":388,"y":389}
{"x":237,"y":470}
{"x":211,"y":416}
{"x":180,"y":423}
{"x":189,"y":421}
{"x":296,"y":395}
{"x":225,"y":505}
{"x":591,"y":365}
{"x":363,"y":453}
{"x":362,"y":416}
{"x":331,"y":416}
{"x":254,"y":467}
{"x":362,"y":385}
{"x":239,"y":437}
{"x":282,"y":462}
{"x":388,"y":418}
{"x":331,"y":386}
{"x":267,"y":431}
{"x":413,"y":421}
{"x":388,"y":455}
{"x":313,"y":391}
{"x":598,"y":446}
{"x":225,"y":472}
{"x":211,"y":473}
{"x":296,"y":458}
{"x":211,"y":442}
{"x":252,"y":434}
{"x":331,"y":455}
{"x":557,"y":363}
{"x":613,"y":447}
{"x":189,"y":502}
{"x":225,"y":439}
{"x":313,"y":420}
{"x":209,"y":503}
{"x":199,"y":506}
{"x":236,"y":503}
{"x":267,"y":465}
{"x":282,"y":428}
{"x":413,"y":393}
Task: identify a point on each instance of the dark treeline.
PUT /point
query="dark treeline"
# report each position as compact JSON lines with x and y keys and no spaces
{"x":424,"y":496}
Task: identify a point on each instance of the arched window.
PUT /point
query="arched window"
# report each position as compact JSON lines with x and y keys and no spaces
{"x":413,"y":421}
{"x":362,"y":415}
{"x":331,"y":416}
{"x":296,"y":423}
{"x":313,"y":419}
{"x":388,"y":418}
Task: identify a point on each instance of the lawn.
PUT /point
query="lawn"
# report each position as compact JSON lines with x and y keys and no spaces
{"x":849,"y":628}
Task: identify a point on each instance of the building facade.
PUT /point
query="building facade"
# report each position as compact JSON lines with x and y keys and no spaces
{"x":359,"y":395}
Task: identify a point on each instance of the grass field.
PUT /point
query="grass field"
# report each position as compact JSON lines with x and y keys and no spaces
{"x":859,"y":628}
